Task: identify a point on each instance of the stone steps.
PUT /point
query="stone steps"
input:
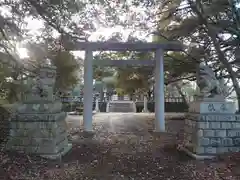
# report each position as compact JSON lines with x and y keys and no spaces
{"x":121,"y":106}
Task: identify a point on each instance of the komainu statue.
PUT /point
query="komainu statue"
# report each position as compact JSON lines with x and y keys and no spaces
{"x":207,"y":82}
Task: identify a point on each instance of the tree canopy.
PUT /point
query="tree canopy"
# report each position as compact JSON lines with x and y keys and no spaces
{"x":208,"y":29}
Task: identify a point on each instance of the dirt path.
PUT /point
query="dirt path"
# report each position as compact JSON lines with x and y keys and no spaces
{"x":123,"y":147}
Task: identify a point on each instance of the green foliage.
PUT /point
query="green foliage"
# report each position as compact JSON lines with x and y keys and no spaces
{"x":56,"y":14}
{"x":67,"y":69}
{"x":9,"y":76}
{"x":101,"y":72}
{"x":131,"y":80}
{"x":127,"y":79}
{"x":192,"y":21}
{"x":210,"y":29}
{"x":139,"y":79}
{"x":201,"y":25}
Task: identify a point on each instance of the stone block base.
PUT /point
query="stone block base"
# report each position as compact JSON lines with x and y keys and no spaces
{"x":211,"y":134}
{"x":46,"y":138}
{"x":58,"y":155}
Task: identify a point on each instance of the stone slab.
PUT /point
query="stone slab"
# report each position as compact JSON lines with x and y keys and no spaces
{"x":38,"y":137}
{"x":216,"y":98}
{"x":37,"y":145}
{"x":32,"y":117}
{"x":216,"y":117}
{"x":35,"y":140}
{"x":58,"y":155}
{"x":212,"y":107}
{"x":38,"y":129}
{"x":40,"y":107}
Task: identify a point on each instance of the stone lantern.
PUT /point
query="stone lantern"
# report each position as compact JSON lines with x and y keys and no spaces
{"x":38,"y":125}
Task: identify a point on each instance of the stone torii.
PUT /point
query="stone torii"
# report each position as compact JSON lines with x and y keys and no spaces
{"x":157,"y":48}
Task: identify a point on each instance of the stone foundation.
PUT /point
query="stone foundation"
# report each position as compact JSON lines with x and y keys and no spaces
{"x":207,"y":134}
{"x":39,"y":135}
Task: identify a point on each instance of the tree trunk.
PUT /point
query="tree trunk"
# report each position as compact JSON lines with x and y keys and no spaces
{"x":213,"y":35}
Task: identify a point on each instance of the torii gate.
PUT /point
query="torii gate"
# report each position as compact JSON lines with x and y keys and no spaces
{"x":158,"y":48}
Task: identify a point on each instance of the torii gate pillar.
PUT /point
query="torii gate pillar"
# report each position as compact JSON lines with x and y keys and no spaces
{"x":159,"y":92}
{"x":88,"y":91}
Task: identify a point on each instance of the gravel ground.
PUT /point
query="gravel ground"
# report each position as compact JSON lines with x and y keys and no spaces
{"x":123,"y":147}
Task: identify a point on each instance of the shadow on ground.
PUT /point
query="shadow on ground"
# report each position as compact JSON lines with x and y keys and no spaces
{"x":123,"y":147}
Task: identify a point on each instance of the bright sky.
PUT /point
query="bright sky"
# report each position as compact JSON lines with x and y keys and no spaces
{"x":35,"y":25}
{"x":105,"y":28}
{"x":238,"y":5}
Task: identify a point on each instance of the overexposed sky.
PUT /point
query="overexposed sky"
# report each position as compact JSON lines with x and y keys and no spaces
{"x":104,"y":25}
{"x":136,"y":13}
{"x":35,"y":27}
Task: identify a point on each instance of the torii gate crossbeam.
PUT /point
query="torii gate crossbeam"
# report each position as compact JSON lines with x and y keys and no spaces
{"x":158,"y":48}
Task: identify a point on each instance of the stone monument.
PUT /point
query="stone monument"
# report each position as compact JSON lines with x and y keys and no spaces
{"x":38,"y":125}
{"x":145,"y":104}
{"x":211,"y":125}
{"x":97,"y":103}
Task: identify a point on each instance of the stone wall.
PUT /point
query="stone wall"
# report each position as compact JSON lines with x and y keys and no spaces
{"x":42,"y":135}
{"x":211,"y":134}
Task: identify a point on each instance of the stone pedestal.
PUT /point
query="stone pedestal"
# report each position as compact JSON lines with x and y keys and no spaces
{"x":210,"y":107}
{"x":97,"y":106}
{"x":38,"y":126}
{"x":145,"y":105}
{"x":43,"y":134}
{"x":211,"y":128}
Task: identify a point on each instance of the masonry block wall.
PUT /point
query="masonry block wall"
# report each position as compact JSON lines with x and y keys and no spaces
{"x":208,"y":134}
{"x":38,"y":133}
